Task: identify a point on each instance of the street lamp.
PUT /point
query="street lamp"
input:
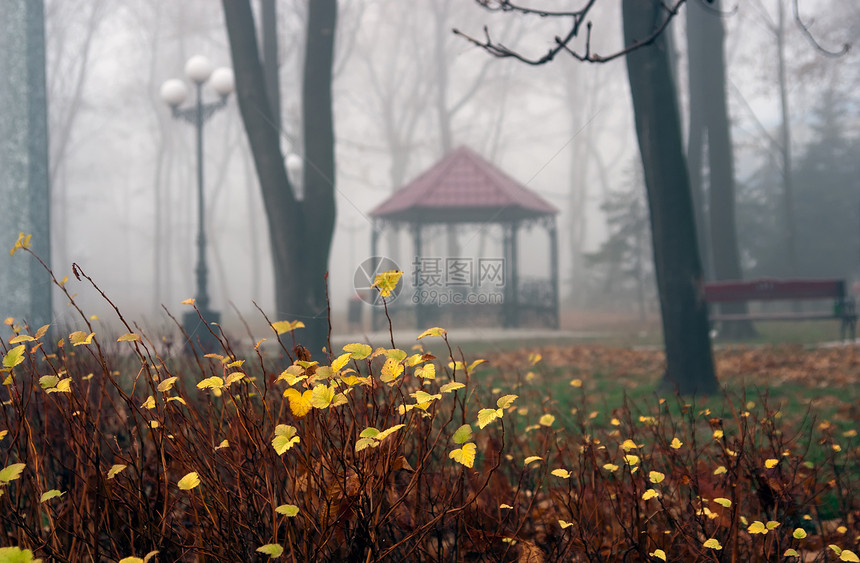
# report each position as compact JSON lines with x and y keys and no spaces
{"x":199,"y":70}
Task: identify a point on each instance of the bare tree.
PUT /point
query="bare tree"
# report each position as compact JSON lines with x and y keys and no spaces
{"x":300,"y":231}
{"x":710,"y":134}
{"x":689,"y":363}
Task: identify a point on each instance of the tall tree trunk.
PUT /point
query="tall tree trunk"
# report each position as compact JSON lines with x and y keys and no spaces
{"x":689,"y":363}
{"x":289,"y":242}
{"x":696,"y":133}
{"x":318,"y":211}
{"x":785,"y":142}
{"x":706,"y":38}
{"x":271,"y":65}
{"x":25,"y":287}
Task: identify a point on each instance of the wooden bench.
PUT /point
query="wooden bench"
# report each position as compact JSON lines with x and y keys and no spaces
{"x":785,"y":290}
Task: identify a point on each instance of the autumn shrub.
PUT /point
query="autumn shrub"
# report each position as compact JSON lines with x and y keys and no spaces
{"x":112,"y":451}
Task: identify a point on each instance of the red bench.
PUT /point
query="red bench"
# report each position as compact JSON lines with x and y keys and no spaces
{"x":785,"y":290}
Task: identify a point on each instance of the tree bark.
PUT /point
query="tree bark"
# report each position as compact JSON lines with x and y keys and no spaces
{"x":319,"y":174}
{"x":689,"y":362}
{"x":25,"y":287}
{"x":706,"y":39}
{"x":299,"y":232}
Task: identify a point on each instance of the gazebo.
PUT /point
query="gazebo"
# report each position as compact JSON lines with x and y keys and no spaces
{"x":463,"y":188}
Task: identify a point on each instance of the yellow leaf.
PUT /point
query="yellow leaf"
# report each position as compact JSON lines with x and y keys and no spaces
{"x":628,"y":445}
{"x":799,"y":533}
{"x":292,"y":375}
{"x":188,"y":301}
{"x":649,"y":494}
{"x":79,"y":338}
{"x":532,"y":459}
{"x":564,"y":524}
{"x":63,"y":386}
{"x":389,"y":431}
{"x":22,"y":242}
{"x":724,"y":502}
{"x":273,"y":550}
{"x":505,"y":401}
{"x":712,"y":544}
{"x":465,"y":455}
{"x":148,"y":403}
{"x":631,"y":459}
{"x":11,"y":472}
{"x":167,"y":384}
{"x":563,"y":473}
{"x":426,"y":372}
{"x":611,"y":467}
{"x":659,"y":554}
{"x":848,"y":555}
{"x":718,"y":434}
{"x":391,"y":370}
{"x":451,"y":387}
{"x":757,"y":527}
{"x":772,"y":524}
{"x":282,"y":327}
{"x":415,"y":359}
{"x":534,"y":358}
{"x":300,"y":403}
{"x":288,"y":510}
{"x":655,"y":477}
{"x":435,"y":331}
{"x":285,"y":438}
{"x":14,"y":356}
{"x":386,"y":282}
{"x":791,"y":553}
{"x":234,"y":377}
{"x":546,"y":420}
{"x":21,"y":338}
{"x":676,"y":444}
{"x":131,"y":560}
{"x":223,"y":444}
{"x":340,"y":361}
{"x":720,"y":470}
{"x":322,"y":396}
{"x":462,"y":434}
{"x":179,"y":399}
{"x":53,"y":493}
{"x":115,"y":469}
{"x":425,"y":397}
{"x":507,"y":506}
{"x":771,"y":463}
{"x":42,"y":330}
{"x":189,"y":481}
{"x":130,"y":337}
{"x":48,"y":381}
{"x":213,"y":382}
{"x":471,"y":367}
{"x":358,"y":351}
{"x":3,"y":434}
{"x":486,"y":416}
{"x":576,"y":383}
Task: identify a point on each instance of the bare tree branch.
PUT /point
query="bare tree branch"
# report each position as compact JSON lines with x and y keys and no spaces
{"x":562,"y":44}
{"x":812,"y":41}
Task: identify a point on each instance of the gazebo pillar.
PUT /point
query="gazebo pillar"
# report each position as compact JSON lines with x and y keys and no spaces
{"x":419,"y":298}
{"x":511,"y":307}
{"x":553,"y":269}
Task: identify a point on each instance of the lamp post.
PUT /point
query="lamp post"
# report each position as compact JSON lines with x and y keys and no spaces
{"x":198,"y":69}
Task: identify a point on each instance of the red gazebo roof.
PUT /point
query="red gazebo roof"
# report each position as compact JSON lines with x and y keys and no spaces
{"x":463,"y":188}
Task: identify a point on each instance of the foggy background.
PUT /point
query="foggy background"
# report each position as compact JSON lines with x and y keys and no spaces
{"x":123,"y":170}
